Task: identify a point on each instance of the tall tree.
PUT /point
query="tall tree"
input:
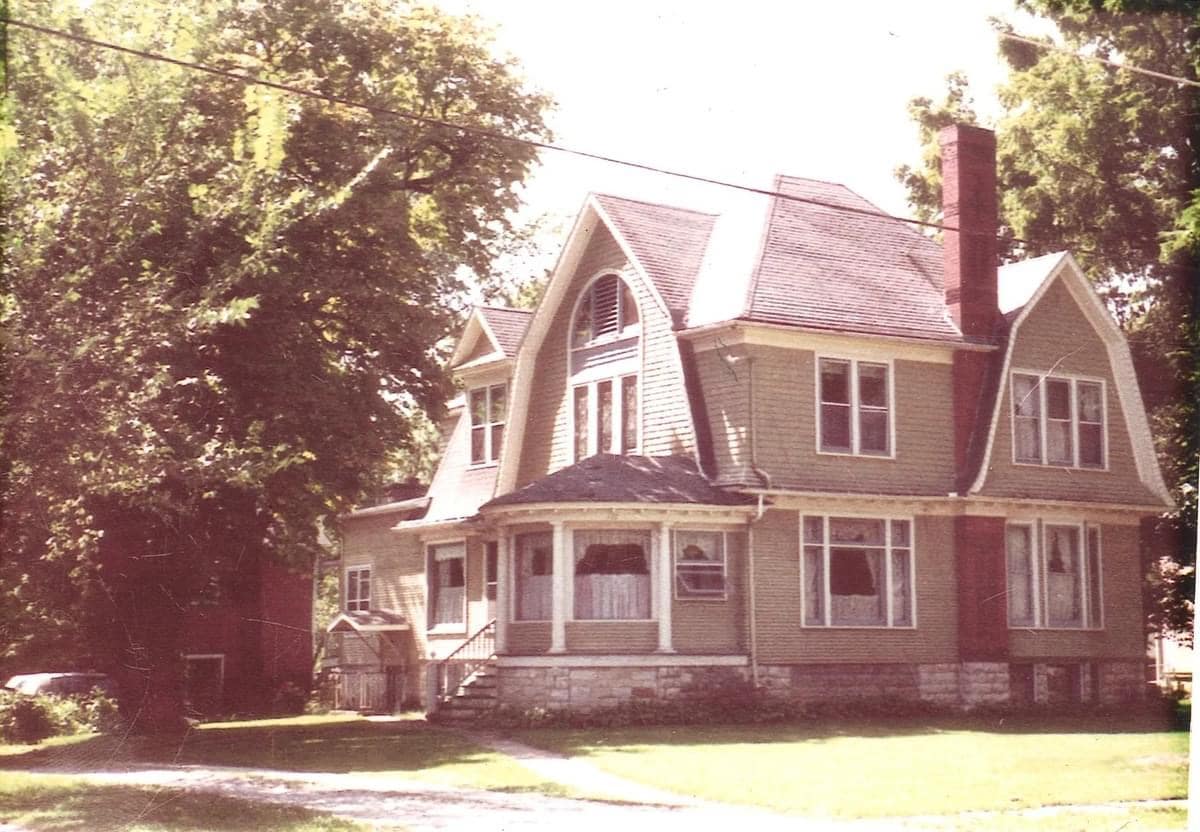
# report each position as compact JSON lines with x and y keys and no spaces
{"x":222,"y":302}
{"x":1103,"y":162}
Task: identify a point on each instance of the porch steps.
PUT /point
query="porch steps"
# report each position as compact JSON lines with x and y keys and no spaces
{"x":475,"y":697}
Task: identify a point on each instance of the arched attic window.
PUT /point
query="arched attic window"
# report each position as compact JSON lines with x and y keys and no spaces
{"x":605,"y":355}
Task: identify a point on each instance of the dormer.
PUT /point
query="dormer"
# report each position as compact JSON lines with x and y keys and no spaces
{"x":482,"y":363}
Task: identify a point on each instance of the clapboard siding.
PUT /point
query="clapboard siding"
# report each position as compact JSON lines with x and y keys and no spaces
{"x":612,"y":636}
{"x":1058,"y":338}
{"x":780,"y":637}
{"x":706,"y":626}
{"x":1123,"y":632}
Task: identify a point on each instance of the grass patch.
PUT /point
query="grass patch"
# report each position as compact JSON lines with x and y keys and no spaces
{"x":1126,"y":818}
{"x":50,"y":802}
{"x":339,"y":743}
{"x":874,"y":769}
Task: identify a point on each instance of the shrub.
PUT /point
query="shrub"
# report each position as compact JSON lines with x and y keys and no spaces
{"x":25,"y":719}
{"x":289,"y":699}
{"x":31,"y":719}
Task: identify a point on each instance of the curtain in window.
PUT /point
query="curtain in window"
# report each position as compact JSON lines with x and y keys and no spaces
{"x":449,"y":591}
{"x":612,"y":576}
{"x":856,"y":587}
{"x":1058,"y":422}
{"x":1027,"y":408}
{"x":534,"y":581}
{"x":1064,"y":599}
{"x":814,"y":584}
{"x":1020,"y":576}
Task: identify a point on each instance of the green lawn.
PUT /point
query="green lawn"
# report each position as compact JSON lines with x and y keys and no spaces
{"x":931,"y":767}
{"x":409,"y":748}
{"x":64,"y":804}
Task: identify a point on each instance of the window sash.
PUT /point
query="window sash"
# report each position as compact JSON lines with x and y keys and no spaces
{"x":358,"y":589}
{"x":703,"y":577}
{"x":488,"y":409}
{"x":854,"y":407}
{"x":842,"y":554}
{"x":1055,"y":575}
{"x":533,"y":577}
{"x":604,"y":416}
{"x":1058,"y":421}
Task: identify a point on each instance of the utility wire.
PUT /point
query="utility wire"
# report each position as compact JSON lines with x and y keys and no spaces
{"x":479,"y":131}
{"x":1041,"y":44}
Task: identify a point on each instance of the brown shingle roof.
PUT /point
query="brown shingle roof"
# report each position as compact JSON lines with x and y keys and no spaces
{"x":508,"y":325}
{"x":609,"y":478}
{"x":668,"y":242}
{"x":830,"y":269}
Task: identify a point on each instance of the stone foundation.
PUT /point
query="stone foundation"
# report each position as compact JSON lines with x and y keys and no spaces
{"x":959,"y":684}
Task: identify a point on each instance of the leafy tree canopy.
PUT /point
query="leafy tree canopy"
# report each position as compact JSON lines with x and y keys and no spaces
{"x":223,"y":304}
{"x":1103,"y":162}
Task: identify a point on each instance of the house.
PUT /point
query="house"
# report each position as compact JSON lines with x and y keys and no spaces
{"x":803,"y":446}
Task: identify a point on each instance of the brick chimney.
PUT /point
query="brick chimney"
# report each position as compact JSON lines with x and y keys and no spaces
{"x":969,"y":204}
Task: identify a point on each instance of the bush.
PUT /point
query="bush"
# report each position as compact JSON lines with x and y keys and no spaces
{"x":290,"y":699}
{"x":31,"y":719}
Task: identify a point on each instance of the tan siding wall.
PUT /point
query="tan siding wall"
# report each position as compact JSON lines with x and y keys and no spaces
{"x":1056,"y":336}
{"x":458,"y":489}
{"x":781,"y":639}
{"x":612,"y":636}
{"x":785,"y":408}
{"x":528,"y":637}
{"x":397,"y":564}
{"x":666,"y":427}
{"x":715,"y":626}
{"x":1123,"y":635}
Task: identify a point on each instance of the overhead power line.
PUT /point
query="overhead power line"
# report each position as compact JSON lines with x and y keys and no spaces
{"x":479,"y":131}
{"x":1041,"y":44}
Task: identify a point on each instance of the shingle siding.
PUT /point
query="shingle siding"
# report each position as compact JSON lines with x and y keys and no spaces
{"x":1057,"y":338}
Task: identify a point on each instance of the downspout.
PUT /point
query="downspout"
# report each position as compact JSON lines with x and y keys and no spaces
{"x":765,"y":479}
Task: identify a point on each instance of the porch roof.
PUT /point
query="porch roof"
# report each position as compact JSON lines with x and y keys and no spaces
{"x":368,"y":621}
{"x":612,"y":478}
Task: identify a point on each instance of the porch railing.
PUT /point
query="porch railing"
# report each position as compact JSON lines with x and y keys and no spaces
{"x":463,"y":663}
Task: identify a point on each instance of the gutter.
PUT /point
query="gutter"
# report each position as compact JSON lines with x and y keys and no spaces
{"x":765,"y":479}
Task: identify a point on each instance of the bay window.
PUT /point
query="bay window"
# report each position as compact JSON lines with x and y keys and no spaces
{"x":1058,"y":421}
{"x":855,"y":411}
{"x":856,"y":572}
{"x":1054,"y":575}
{"x":612,"y":575}
{"x":533,"y":577}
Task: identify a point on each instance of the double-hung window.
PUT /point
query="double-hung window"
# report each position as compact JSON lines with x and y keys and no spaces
{"x":700,"y":565}
{"x":447,"y":585}
{"x":358,"y":588}
{"x":855,"y":407}
{"x":1058,"y":421}
{"x":487,"y":406}
{"x":857,"y":572}
{"x":533,"y":576}
{"x":1054,"y":575}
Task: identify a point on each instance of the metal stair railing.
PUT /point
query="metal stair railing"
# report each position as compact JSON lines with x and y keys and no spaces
{"x":457,"y":668}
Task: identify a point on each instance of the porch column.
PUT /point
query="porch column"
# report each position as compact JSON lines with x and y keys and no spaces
{"x":558,"y":597}
{"x":502,"y":590}
{"x":663,"y":592}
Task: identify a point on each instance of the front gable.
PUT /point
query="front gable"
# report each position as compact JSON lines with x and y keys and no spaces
{"x":540,"y":441}
{"x":1063,"y":335}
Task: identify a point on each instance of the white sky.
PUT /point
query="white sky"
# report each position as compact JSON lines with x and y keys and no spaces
{"x":737,"y":91}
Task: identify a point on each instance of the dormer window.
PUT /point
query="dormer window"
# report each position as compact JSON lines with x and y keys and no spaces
{"x":488,"y":406}
{"x":603,"y":390}
{"x":1058,"y":421}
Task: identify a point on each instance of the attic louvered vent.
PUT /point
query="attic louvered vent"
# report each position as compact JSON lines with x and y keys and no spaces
{"x":606,"y":310}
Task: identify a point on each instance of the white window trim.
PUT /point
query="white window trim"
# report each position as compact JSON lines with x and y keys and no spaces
{"x":433,"y":554}
{"x":361,"y":567}
{"x":888,"y":547}
{"x":855,"y":451}
{"x":593,"y":416}
{"x":624,"y":333}
{"x":1043,"y":416}
{"x":514,"y":563}
{"x":1041,"y":592}
{"x":490,"y":456}
{"x":675,"y":561}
